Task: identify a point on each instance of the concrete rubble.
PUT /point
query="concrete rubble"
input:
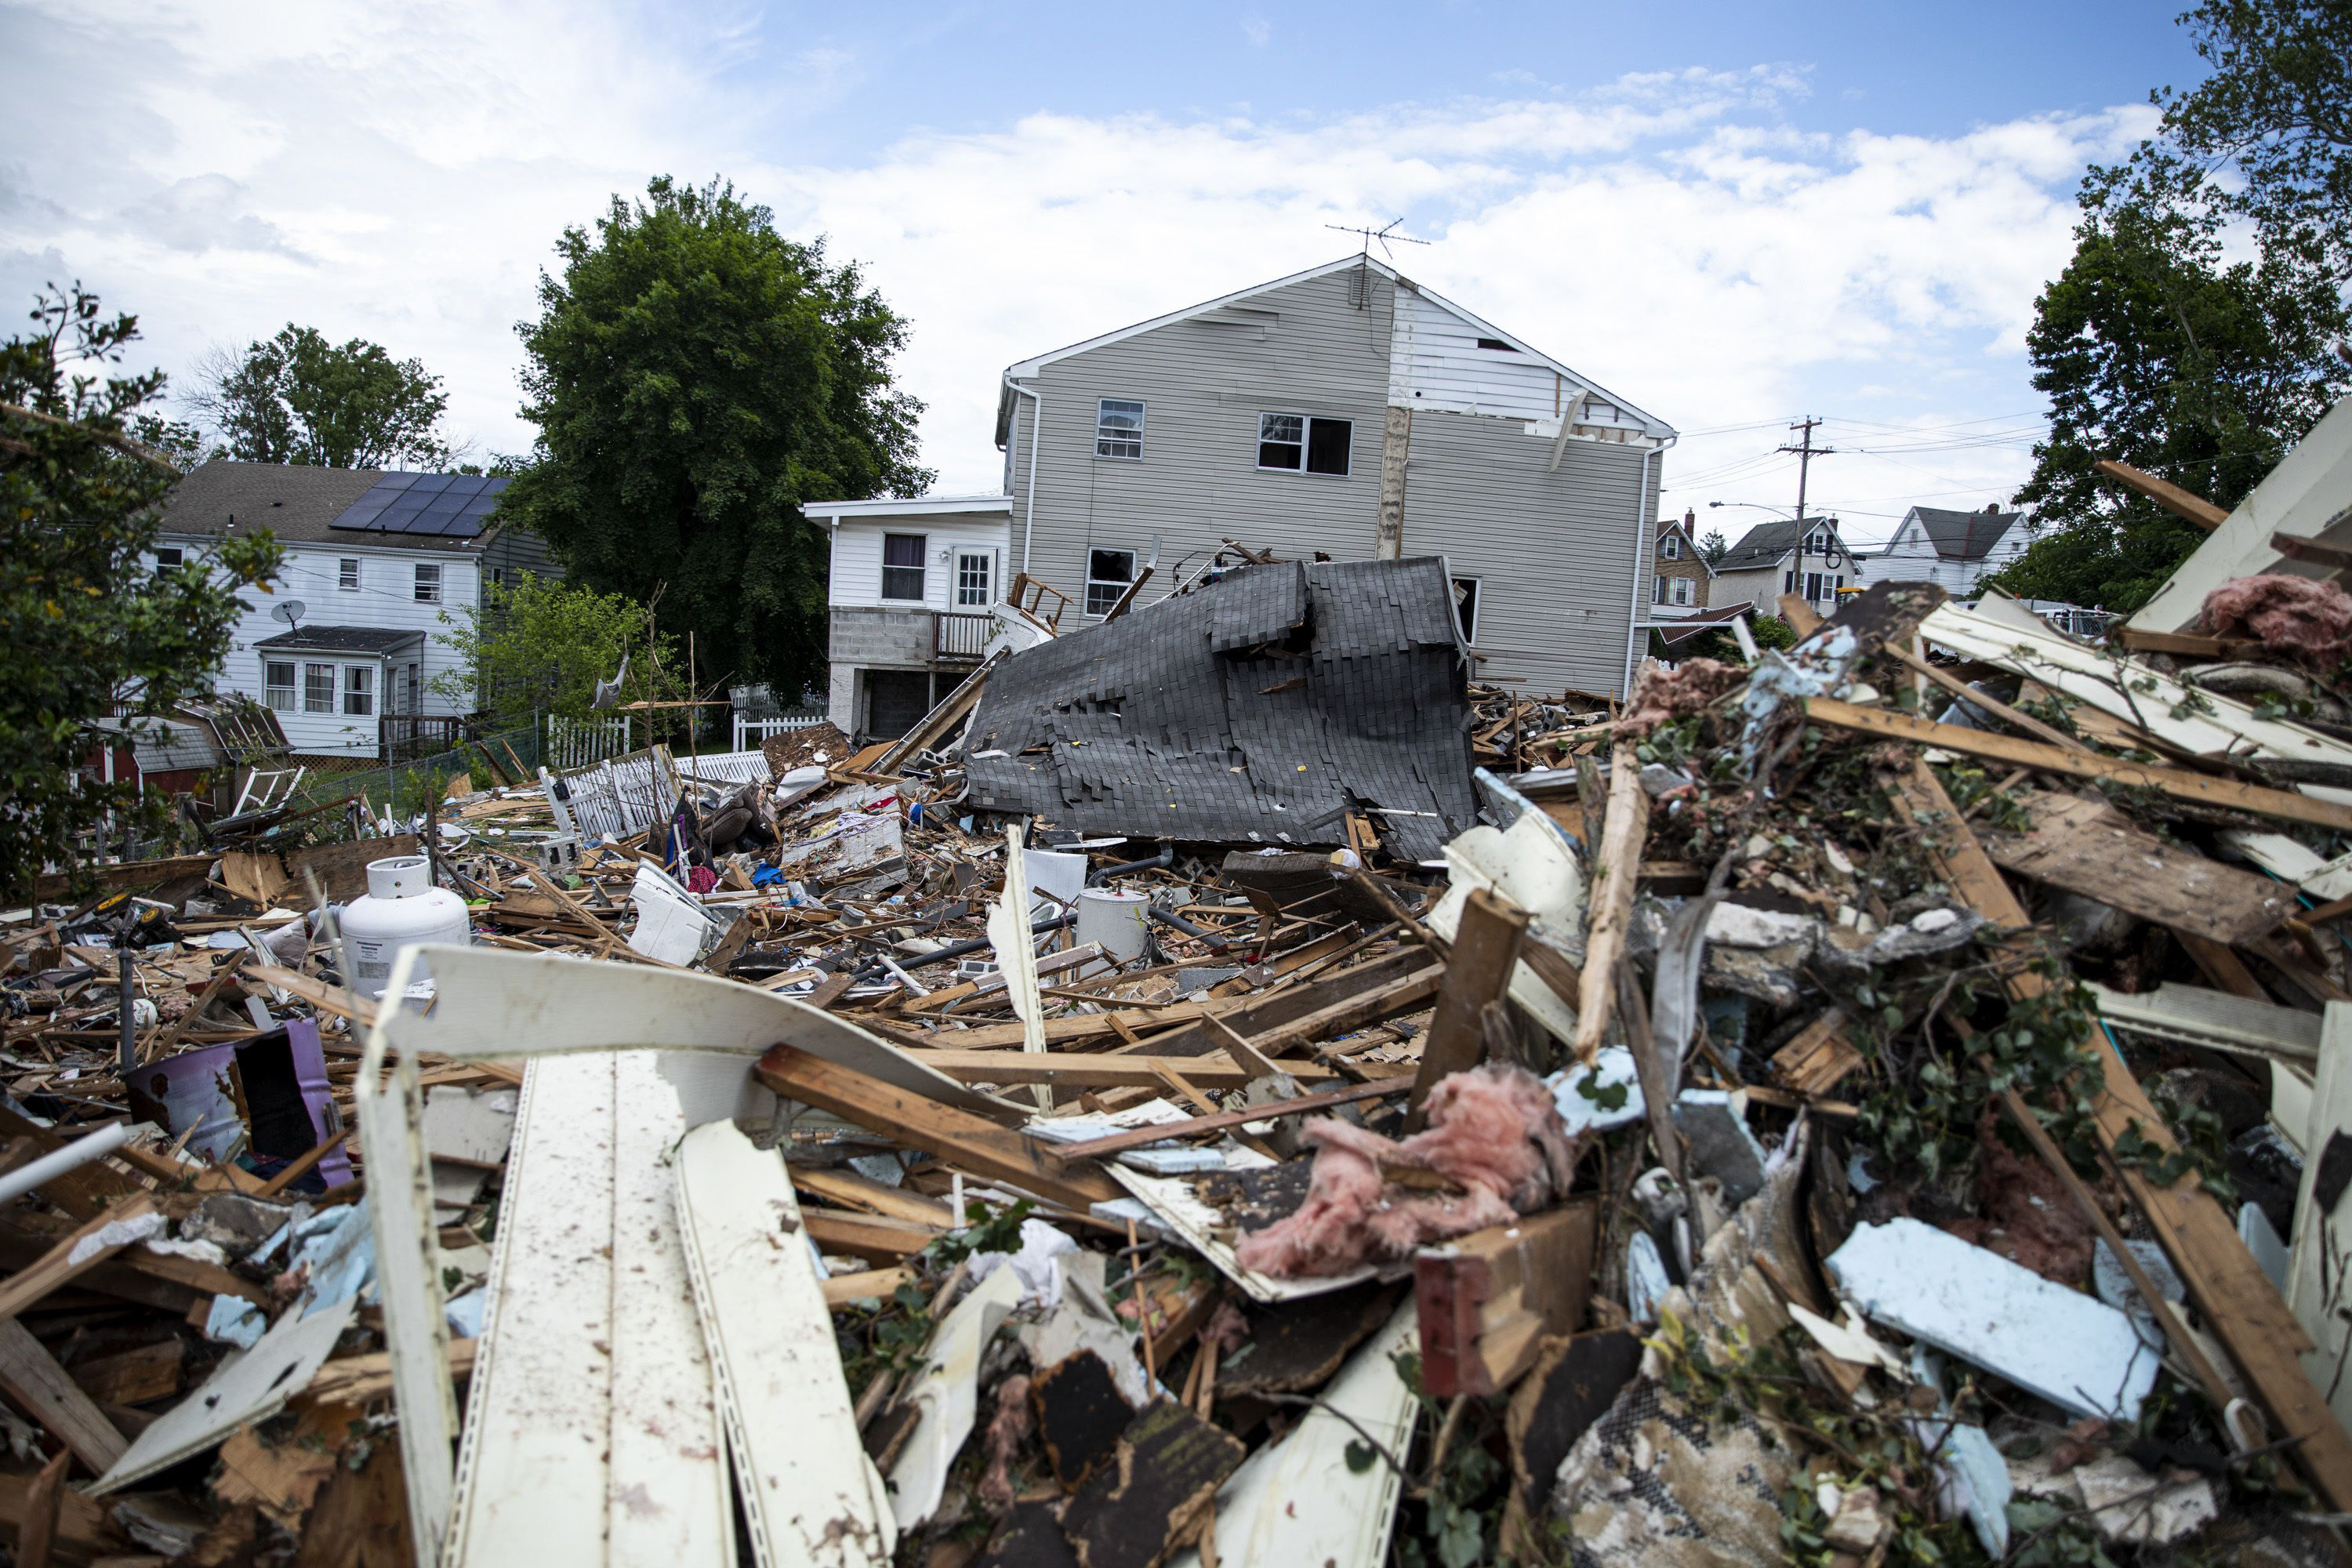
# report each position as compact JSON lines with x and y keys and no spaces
{"x":1230,"y":1087}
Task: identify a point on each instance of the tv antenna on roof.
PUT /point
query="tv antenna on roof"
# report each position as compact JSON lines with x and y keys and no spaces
{"x":1368,"y":238}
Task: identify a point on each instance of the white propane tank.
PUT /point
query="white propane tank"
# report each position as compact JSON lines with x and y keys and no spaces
{"x":402,"y":909}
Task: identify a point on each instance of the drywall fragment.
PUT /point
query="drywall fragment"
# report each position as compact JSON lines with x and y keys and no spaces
{"x":946,"y":1396}
{"x":1605,"y":1095}
{"x":1715,"y":1124}
{"x":2076,"y":1353}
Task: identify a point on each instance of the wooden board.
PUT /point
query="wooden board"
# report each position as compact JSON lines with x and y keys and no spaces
{"x":2088,"y":847}
{"x":1098,"y":1070}
{"x":342,"y":869}
{"x":1486,"y":1300}
{"x":35,"y":1385}
{"x":2202,"y":789}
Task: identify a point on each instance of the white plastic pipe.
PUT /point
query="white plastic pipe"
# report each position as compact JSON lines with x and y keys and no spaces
{"x":52,"y":1165}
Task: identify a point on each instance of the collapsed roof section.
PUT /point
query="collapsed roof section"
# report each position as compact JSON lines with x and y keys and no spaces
{"x":1265,"y":707}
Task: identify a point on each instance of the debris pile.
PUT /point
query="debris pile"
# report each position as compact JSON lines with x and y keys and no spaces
{"x":1885,"y":1104}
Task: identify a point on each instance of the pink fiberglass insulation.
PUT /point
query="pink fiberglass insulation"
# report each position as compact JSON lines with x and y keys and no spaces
{"x":1493,"y":1132}
{"x":1663,"y":695}
{"x":2311,"y":620}
{"x":1007,"y":1430}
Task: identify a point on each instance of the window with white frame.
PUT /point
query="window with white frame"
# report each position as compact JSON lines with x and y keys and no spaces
{"x":166,"y":557}
{"x":428,"y":583}
{"x":358,"y":690}
{"x":1466,"y":607}
{"x":1670,"y":547}
{"x":318,"y":689}
{"x":1118,"y":427}
{"x":277,"y":683}
{"x":902,"y":565}
{"x":1817,"y":587}
{"x":1110,"y":573}
{"x":1680,"y":591}
{"x":1657,"y":590}
{"x":976,"y":579}
{"x":347,"y":574}
{"x":1304,"y":443}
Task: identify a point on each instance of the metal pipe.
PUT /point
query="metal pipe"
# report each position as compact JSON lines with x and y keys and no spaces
{"x":1170,"y":918}
{"x":1167,"y":857}
{"x":57,"y":1162}
{"x":960,"y":949}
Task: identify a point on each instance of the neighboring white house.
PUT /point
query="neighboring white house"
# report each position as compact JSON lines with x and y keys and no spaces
{"x":1954,"y":550}
{"x":1345,"y":412}
{"x":374,"y":558}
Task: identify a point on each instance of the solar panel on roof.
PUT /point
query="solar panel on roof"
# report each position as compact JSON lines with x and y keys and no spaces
{"x":440,"y":505}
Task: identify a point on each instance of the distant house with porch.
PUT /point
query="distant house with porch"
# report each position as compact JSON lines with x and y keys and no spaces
{"x":373,"y":557}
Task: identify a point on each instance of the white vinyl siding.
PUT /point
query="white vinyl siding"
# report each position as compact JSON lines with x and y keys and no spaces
{"x":1466,"y":607}
{"x":854,"y":578}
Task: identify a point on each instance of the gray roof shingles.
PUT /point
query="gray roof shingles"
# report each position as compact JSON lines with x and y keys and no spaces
{"x":297,"y":502}
{"x":1964,"y":535}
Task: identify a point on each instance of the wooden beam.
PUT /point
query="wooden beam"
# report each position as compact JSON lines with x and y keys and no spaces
{"x":957,"y":1137}
{"x":1137,"y":1138}
{"x":1099,"y":1070}
{"x":877,"y":1238}
{"x":1478,"y":971}
{"x":2180,"y":503}
{"x":39,"y":1386}
{"x":849,"y":1188}
{"x":2228,"y":795}
{"x":1615,"y":871}
{"x":73,"y":1255}
{"x":2311,"y":552}
{"x":2001,"y":710}
{"x":2236,"y":1300}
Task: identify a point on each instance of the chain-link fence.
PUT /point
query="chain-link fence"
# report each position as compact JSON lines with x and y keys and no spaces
{"x":404,"y":788}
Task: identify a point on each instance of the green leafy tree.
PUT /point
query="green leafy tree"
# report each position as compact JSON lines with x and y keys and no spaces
{"x":86,"y":621}
{"x":1714,"y":547}
{"x":298,"y":398}
{"x":2163,"y":345}
{"x":535,"y":644}
{"x":695,"y":377}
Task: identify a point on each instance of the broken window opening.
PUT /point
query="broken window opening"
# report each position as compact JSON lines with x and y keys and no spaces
{"x":902,"y":565}
{"x":1466,"y":607}
{"x":1109,"y":574}
{"x":1118,"y":428}
{"x":1295,"y":443}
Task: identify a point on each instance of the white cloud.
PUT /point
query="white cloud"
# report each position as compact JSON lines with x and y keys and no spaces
{"x":401,"y":174}
{"x":1257,"y":30}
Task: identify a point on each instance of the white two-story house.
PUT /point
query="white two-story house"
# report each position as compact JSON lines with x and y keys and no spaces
{"x":1956,"y":550}
{"x":1344,"y":410}
{"x":374,"y":558}
{"x":1810,"y":558}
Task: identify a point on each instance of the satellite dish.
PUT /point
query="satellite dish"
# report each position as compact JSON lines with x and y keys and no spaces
{"x":290,"y":611}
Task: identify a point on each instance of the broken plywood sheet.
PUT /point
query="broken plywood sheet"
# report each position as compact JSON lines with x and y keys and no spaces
{"x":809,"y":1493}
{"x":1139,"y":1509}
{"x":857,"y":844}
{"x":592,"y":1418}
{"x":2088,"y":847}
{"x":1299,"y":1499}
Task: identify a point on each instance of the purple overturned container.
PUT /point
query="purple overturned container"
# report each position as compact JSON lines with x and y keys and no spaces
{"x":266,"y":1096}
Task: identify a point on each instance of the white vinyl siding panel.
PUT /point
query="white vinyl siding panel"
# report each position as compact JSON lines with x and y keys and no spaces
{"x":1440,"y":366}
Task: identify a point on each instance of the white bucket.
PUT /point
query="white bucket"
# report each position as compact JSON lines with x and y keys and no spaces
{"x":1113,"y":919}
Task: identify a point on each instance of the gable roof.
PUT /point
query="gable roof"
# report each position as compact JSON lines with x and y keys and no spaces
{"x":1964,"y":535}
{"x":1691,"y":551}
{"x":1765,"y":544}
{"x":296,"y":502}
{"x":1029,"y":367}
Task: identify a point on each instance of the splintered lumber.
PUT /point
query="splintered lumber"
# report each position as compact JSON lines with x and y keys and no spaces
{"x":82,"y":1530}
{"x":854,"y":1191}
{"x":1821,"y":1056}
{"x":1140,"y":1137}
{"x":2184,"y":504}
{"x":877,"y":1238}
{"x":957,"y":1137}
{"x":1479,"y":967}
{"x":35,"y":1382}
{"x":1487,"y":1300}
{"x":1107,"y":1069}
{"x":2088,"y":847}
{"x":2186,"y":645}
{"x":76,"y":1254}
{"x":2228,"y":795}
{"x":2231,"y":1294}
{"x":2008,"y":715}
{"x":1614,"y":871}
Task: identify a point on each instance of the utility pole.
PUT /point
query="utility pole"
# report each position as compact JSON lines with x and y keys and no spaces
{"x":1806,"y":452}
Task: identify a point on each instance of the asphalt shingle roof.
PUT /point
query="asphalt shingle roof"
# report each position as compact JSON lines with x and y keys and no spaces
{"x":297,"y":502}
{"x":1964,"y":535}
{"x":1763,"y":544}
{"x":341,"y":639}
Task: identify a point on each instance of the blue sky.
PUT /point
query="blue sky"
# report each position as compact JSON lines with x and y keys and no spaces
{"x":1731,"y":215}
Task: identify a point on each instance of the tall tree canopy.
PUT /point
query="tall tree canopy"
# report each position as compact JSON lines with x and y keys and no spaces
{"x":695,"y":376}
{"x":2166,"y":344}
{"x":298,"y":398}
{"x":86,"y":621}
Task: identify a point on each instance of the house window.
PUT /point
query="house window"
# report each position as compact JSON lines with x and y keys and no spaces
{"x":1657,"y":590}
{"x":1789,"y":580}
{"x":1497,"y":345}
{"x":359,"y":690}
{"x":976,"y":578}
{"x":1110,"y":573}
{"x":902,"y":565}
{"x":428,"y":584}
{"x":318,"y":689}
{"x":1295,"y":442}
{"x":1118,"y":428}
{"x":1817,"y":587}
{"x":1670,"y":547}
{"x":347,"y":575}
{"x":167,"y":557}
{"x":416,"y":690}
{"x":1679,"y":591}
{"x":277,"y":683}
{"x":1466,"y":607}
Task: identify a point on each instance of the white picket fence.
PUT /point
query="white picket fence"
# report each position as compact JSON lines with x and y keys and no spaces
{"x":750,"y":733}
{"x":576,"y":742}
